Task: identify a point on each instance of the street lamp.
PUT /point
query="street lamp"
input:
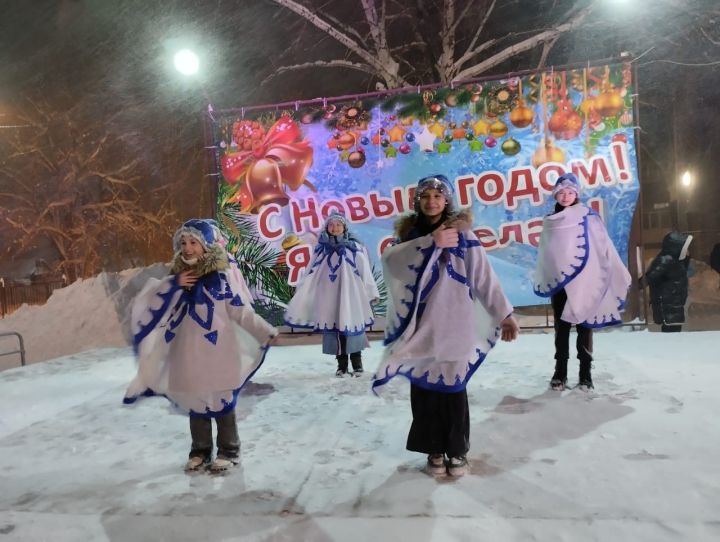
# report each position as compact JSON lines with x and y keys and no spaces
{"x":686,"y":179}
{"x":186,"y":62}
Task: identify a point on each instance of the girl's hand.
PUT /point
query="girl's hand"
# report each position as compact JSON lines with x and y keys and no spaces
{"x":445,"y":237}
{"x":187,"y":279}
{"x":374,"y":301}
{"x":510,"y":329}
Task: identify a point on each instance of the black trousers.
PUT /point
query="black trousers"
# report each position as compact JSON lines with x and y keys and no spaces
{"x":584,"y":343}
{"x":228,"y":441}
{"x":441,"y":422}
{"x":342,"y":357}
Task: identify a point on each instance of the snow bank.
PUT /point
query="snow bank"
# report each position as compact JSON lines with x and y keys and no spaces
{"x":90,"y":313}
{"x":704,"y":284}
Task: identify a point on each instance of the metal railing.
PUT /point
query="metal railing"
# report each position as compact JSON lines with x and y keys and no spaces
{"x":21,"y":343}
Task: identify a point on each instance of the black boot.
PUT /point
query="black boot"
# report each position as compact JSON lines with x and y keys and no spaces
{"x":585,"y":377}
{"x":356,"y":359}
{"x":342,"y":369}
{"x":558,"y":382}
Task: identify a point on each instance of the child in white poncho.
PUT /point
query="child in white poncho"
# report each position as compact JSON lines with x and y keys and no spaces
{"x":336,"y":294}
{"x":582,"y":273}
{"x":198,"y":341}
{"x":446,"y":310}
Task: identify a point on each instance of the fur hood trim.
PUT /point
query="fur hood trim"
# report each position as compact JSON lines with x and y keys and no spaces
{"x":216,"y":259}
{"x":462,"y":220}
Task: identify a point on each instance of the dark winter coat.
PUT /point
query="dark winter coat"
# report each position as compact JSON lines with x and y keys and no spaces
{"x":667,"y":277}
{"x":715,"y":257}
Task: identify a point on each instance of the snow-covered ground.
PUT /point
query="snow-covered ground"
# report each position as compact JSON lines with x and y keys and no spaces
{"x":323,"y":459}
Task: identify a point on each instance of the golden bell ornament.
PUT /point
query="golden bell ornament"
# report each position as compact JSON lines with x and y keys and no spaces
{"x":547,"y":152}
{"x":265,"y":184}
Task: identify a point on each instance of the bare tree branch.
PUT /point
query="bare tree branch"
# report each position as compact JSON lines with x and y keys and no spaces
{"x":524,"y":45}
{"x":384,"y":67}
{"x":547,"y":47}
{"x":707,"y":37}
{"x":469,"y":52}
{"x":320,"y":64}
{"x":445,"y":62}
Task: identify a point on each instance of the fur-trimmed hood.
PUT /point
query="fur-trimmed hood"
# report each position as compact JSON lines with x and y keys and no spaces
{"x":216,"y":259}
{"x":462,"y":220}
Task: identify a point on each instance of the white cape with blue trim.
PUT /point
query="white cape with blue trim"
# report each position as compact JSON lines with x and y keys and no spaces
{"x":197,"y":347}
{"x":335,"y":293}
{"x":577,"y":254}
{"x":444,"y":311}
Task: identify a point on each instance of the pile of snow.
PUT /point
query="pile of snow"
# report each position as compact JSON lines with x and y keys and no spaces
{"x":90,"y":313}
{"x":704,"y":284}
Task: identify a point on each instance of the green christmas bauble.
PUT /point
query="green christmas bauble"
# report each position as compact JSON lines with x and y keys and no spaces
{"x":510,"y":147}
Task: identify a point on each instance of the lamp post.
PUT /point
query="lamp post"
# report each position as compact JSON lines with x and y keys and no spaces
{"x":686,"y":184}
{"x":187,"y":63}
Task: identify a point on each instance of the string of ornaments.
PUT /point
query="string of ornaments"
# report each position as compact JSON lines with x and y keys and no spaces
{"x":478,"y":116}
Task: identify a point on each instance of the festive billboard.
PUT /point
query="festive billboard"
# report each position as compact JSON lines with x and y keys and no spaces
{"x":502,"y":143}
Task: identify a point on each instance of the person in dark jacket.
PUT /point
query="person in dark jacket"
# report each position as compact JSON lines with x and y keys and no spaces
{"x":667,"y":277}
{"x":715,"y":257}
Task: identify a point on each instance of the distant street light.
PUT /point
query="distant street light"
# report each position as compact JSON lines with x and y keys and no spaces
{"x":686,"y":179}
{"x":186,"y":62}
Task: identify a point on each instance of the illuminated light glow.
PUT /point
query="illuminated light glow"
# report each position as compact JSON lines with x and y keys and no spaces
{"x":186,"y":62}
{"x":686,"y":179}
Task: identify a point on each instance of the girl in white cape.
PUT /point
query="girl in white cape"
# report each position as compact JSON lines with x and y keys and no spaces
{"x":582,"y":273}
{"x":335,"y":295}
{"x":198,"y":341}
{"x":446,"y":310}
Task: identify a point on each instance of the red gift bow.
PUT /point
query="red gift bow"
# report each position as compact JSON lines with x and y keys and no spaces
{"x":282,"y":145}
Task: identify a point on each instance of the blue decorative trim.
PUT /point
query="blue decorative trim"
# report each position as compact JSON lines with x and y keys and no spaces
{"x":348,"y":332}
{"x":392,"y":335}
{"x":463,"y":244}
{"x":209,"y":288}
{"x":157,"y":314}
{"x":552,"y":290}
{"x":440,"y":385}
{"x":607,"y":320}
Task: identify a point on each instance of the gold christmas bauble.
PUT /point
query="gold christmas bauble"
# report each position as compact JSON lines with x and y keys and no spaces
{"x":522,"y":116}
{"x":609,"y":103}
{"x":498,"y":128}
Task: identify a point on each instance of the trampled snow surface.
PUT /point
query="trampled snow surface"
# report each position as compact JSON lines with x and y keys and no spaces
{"x":323,"y":459}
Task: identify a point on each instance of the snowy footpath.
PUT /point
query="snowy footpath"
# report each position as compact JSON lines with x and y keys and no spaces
{"x":323,"y":459}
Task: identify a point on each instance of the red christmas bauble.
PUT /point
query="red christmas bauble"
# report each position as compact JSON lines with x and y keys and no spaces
{"x":565,"y":124}
{"x":356,"y":159}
